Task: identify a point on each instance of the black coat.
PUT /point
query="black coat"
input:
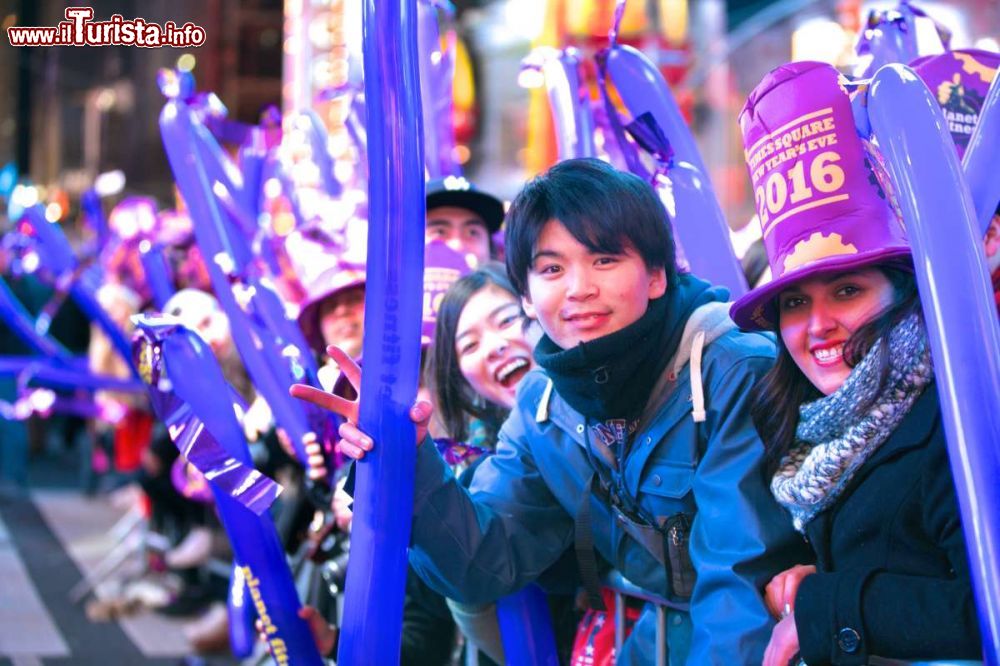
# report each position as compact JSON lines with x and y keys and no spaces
{"x":893,"y":575}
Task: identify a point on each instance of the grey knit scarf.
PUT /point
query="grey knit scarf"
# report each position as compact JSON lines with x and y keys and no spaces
{"x":836,"y":435}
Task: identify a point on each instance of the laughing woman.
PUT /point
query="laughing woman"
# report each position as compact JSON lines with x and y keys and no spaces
{"x":849,"y":414}
{"x":483,"y":348}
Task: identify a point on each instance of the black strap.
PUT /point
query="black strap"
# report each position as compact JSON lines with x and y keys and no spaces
{"x":586,"y":558}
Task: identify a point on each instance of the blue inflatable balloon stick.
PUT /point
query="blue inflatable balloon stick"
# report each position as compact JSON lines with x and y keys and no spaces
{"x":569,"y":99}
{"x":526,"y":628}
{"x":437,"y":71}
{"x":958,"y":307}
{"x":271,"y":346}
{"x":979,"y":162}
{"x":158,"y":274}
{"x":81,"y":283}
{"x":191,"y":396}
{"x":659,"y":128}
{"x":93,"y":211}
{"x":22,"y":324}
{"x":242,"y":635}
{"x":383,"y":499}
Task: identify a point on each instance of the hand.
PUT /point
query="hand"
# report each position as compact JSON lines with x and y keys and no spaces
{"x":342,"y":513}
{"x":285,"y":442}
{"x":325,"y":635}
{"x":784,"y":644}
{"x":315,"y":461}
{"x":354,"y":443}
{"x":779,"y":595}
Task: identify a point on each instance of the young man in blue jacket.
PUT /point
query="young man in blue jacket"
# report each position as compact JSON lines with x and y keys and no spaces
{"x":634,"y":435}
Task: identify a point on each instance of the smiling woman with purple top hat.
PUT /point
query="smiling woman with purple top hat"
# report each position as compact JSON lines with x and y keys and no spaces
{"x":849,"y":414}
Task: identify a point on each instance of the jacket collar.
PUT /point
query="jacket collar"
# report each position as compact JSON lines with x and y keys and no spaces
{"x":914,"y":429}
{"x":550,"y":408}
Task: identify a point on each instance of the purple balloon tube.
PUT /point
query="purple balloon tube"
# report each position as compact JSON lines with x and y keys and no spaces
{"x":980,"y":166}
{"x":958,"y":308}
{"x":383,"y":499}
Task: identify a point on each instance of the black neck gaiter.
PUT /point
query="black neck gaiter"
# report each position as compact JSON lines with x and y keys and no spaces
{"x":612,"y":377}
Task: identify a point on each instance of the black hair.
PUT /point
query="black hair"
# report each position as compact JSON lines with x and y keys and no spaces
{"x":604,"y":209}
{"x":455,"y":399}
{"x":754,"y":262}
{"x":776,"y":398}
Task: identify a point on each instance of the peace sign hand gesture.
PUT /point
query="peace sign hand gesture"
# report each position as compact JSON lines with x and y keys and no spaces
{"x":354,"y":443}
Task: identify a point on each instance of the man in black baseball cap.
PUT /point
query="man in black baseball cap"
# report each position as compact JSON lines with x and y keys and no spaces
{"x":463,"y":217}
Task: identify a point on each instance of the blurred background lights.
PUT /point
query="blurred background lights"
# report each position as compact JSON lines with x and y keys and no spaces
{"x":819,"y":39}
{"x":110,"y":183}
{"x":53,"y":212}
{"x":186,"y":62}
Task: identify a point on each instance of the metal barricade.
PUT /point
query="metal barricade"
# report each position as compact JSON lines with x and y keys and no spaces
{"x":622,"y":587}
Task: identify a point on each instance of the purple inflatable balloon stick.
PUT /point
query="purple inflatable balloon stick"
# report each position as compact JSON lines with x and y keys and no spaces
{"x":980,"y":166}
{"x":355,"y":124}
{"x":958,"y":308}
{"x":158,"y":276}
{"x":699,"y":221}
{"x":93,"y":212}
{"x":318,"y":141}
{"x":526,"y":628}
{"x":184,"y":380}
{"x":643,"y":89}
{"x":890,"y":36}
{"x":437,"y":71}
{"x":242,"y":634}
{"x":569,"y":99}
{"x":22,"y":324}
{"x":33,"y":370}
{"x":260,"y":330}
{"x":81,"y":283}
{"x":54,"y":250}
{"x":383,"y":499}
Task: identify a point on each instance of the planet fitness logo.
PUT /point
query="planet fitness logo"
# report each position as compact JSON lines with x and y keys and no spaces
{"x":960,"y":81}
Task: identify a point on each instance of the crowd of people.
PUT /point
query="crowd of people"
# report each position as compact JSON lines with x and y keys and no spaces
{"x":773,"y":468}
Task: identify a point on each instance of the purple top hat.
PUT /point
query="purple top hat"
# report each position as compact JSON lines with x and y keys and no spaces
{"x":134,"y":216}
{"x":325,"y":268}
{"x":820,"y":205}
{"x":959,"y":80}
{"x":443,"y":267}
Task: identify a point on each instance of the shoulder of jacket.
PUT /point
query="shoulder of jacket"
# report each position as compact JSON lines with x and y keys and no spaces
{"x":735,"y":345}
{"x":533,"y":395}
{"x":531,"y":387}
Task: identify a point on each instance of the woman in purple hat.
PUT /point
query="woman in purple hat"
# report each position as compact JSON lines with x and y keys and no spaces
{"x":849,"y":414}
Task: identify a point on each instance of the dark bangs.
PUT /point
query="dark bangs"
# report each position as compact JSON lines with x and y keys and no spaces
{"x":605,"y":210}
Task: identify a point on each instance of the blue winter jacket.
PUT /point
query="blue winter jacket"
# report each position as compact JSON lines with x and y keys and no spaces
{"x":517,"y":518}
